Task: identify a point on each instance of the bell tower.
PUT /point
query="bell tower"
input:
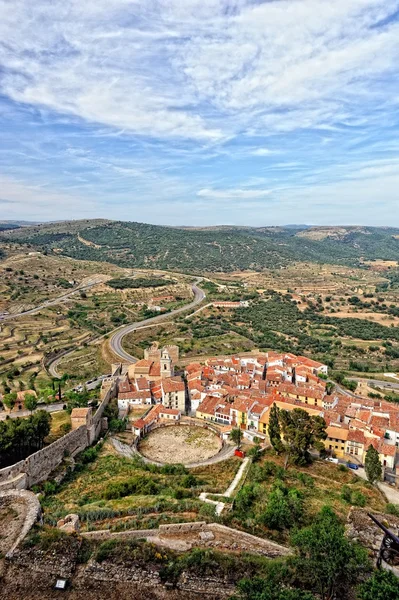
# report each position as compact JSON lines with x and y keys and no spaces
{"x":166,"y":364}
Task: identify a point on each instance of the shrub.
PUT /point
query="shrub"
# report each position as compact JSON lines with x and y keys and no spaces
{"x":358,"y":499}
{"x":392,"y":509}
{"x":189,"y":481}
{"x":135,"y":485}
{"x":346,"y":494}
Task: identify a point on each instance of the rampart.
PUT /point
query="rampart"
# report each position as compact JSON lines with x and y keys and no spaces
{"x":38,"y":466}
{"x":189,"y":532}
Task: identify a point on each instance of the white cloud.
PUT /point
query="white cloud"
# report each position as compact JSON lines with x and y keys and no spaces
{"x":200,"y":69}
{"x":139,"y":104}
{"x":233,"y":194}
{"x":263,"y":152}
{"x":35,"y":202}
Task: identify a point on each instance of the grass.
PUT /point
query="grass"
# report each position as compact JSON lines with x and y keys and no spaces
{"x":320,"y":483}
{"x":60,"y":421}
{"x":84,"y":493}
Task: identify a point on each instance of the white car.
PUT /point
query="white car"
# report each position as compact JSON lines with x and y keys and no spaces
{"x":332,"y":460}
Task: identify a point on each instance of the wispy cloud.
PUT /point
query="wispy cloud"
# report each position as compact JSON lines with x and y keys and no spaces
{"x":232,"y":194}
{"x":127,"y":106}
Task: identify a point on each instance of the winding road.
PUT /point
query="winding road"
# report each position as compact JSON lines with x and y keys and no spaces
{"x":116,"y":339}
{"x":82,"y":287}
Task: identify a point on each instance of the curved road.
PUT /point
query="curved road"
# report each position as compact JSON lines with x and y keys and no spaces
{"x":116,"y":339}
{"x":90,"y":283}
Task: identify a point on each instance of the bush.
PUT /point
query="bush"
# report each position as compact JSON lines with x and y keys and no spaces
{"x":392,"y":509}
{"x":358,"y":499}
{"x":346,"y":494}
{"x":189,"y":481}
{"x":135,"y":485}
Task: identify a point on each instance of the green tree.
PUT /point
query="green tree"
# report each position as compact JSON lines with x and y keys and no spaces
{"x":302,"y":432}
{"x":372,"y":465}
{"x":382,"y":585}
{"x":284,"y":507}
{"x":235,"y":436}
{"x":327,"y":561}
{"x":274,"y":429}
{"x":9,"y":400}
{"x":30,"y":402}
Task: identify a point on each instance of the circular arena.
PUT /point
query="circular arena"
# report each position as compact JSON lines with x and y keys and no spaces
{"x":184,"y":444}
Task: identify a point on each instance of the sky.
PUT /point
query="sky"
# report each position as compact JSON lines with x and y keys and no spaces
{"x":200,"y":112}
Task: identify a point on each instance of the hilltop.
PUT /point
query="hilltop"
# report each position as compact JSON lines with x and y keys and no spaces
{"x":216,"y":249}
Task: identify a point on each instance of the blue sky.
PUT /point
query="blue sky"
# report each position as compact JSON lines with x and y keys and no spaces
{"x":195,"y":112}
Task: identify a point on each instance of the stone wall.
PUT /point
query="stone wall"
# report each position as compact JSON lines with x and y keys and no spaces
{"x":220,"y":536}
{"x":12,"y":471}
{"x":32,"y":513}
{"x":38,"y":466}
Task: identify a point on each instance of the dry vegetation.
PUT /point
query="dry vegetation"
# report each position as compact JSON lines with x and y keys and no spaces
{"x":180,"y":445}
{"x":175,"y":498}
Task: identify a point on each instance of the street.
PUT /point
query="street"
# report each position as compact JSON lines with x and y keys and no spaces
{"x":25,"y":413}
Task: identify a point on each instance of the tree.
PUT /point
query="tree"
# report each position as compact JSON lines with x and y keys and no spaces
{"x":30,"y":402}
{"x":9,"y":400}
{"x":382,"y":585}
{"x":274,"y":429}
{"x":302,"y":432}
{"x":235,"y":436}
{"x":372,"y":465}
{"x":284,"y":507}
{"x":327,"y":561}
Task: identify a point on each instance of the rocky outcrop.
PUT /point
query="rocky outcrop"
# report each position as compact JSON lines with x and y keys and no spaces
{"x":362,"y":529}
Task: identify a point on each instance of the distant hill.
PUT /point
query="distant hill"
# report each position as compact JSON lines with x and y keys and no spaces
{"x":130,"y":244}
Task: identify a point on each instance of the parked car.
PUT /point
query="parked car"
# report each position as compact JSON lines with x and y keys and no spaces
{"x":332,"y":460}
{"x":353,"y":466}
{"x":239,"y":453}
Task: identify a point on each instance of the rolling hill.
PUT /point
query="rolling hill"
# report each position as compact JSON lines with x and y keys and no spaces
{"x":130,"y":244}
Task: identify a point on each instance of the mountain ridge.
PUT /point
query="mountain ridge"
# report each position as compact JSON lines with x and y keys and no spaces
{"x":214,"y":248}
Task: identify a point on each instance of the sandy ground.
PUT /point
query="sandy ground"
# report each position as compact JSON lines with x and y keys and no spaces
{"x":180,"y":444}
{"x":381,"y":318}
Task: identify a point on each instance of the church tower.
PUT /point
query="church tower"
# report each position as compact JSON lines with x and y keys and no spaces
{"x":166,"y":364}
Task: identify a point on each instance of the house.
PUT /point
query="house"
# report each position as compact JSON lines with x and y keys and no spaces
{"x":337,"y":437}
{"x":355,"y":444}
{"x":170,"y":414}
{"x":174,"y":393}
{"x":81,"y":416}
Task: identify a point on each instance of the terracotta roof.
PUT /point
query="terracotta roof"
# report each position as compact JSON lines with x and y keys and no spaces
{"x":155,"y":369}
{"x":144,"y":362}
{"x":124,"y":386}
{"x":171,"y":385}
{"x":80,"y":412}
{"x":387,"y":449}
{"x":355,"y":435}
{"x":339,"y":433}
{"x":142,"y":383}
{"x":169,"y":411}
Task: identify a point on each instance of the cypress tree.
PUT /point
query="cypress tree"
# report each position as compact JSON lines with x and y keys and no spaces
{"x":372,"y":465}
{"x":274,"y":429}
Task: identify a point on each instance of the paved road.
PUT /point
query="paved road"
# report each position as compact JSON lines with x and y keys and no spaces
{"x":378,"y":383}
{"x":25,"y":413}
{"x":57,"y":300}
{"x":116,"y":339}
{"x":391,"y":493}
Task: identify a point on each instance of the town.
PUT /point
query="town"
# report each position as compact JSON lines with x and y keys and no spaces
{"x":238,"y":392}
